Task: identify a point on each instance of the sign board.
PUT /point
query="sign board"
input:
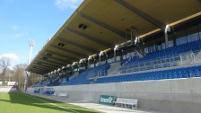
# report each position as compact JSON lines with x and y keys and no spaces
{"x":107,"y":99}
{"x":10,"y":83}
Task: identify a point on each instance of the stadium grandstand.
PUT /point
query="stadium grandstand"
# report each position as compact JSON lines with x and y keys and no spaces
{"x":133,"y":54}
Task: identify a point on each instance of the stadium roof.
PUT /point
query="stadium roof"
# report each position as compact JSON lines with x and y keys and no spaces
{"x":98,"y":25}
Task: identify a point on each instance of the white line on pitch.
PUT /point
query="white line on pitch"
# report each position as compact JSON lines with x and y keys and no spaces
{"x":66,"y":108}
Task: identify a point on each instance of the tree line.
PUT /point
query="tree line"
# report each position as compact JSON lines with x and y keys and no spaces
{"x":16,"y":73}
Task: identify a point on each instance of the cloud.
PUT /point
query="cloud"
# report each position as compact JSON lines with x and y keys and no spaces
{"x":63,"y":4}
{"x":15,"y":27}
{"x":13,"y":36}
{"x":11,"y":56}
{"x":16,"y":32}
{"x":18,"y":35}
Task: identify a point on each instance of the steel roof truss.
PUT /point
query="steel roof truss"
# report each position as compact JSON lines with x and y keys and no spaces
{"x":51,"y":61}
{"x":120,"y":33}
{"x":62,"y":55}
{"x":69,"y":51}
{"x":91,"y":38}
{"x":60,"y":60}
{"x":142,"y":14}
{"x":77,"y":45}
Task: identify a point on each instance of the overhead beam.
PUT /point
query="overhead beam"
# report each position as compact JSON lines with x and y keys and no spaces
{"x":78,"y":45}
{"x":118,"y":32}
{"x":51,"y":68}
{"x":51,"y":57}
{"x":39,"y":70}
{"x":142,"y":14}
{"x":62,"y":55}
{"x":45,"y":66}
{"x":69,"y":51}
{"x":54,"y":65}
{"x":32,"y":71}
{"x":44,"y":70}
{"x":42,"y":67}
{"x":61,"y":64}
{"x":91,"y":38}
{"x":39,"y":67}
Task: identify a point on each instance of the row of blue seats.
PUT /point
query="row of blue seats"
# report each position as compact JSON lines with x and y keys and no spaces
{"x":156,"y":75}
{"x":172,"y":51}
{"x":48,"y":92}
{"x":57,"y":82}
{"x":186,"y":72}
{"x":82,"y":77}
{"x":144,"y":68}
{"x":36,"y":91}
{"x":164,"y":61}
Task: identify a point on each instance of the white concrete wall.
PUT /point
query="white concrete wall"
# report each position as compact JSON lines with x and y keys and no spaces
{"x":175,"y":96}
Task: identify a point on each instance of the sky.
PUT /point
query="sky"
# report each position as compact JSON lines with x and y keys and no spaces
{"x":25,"y":20}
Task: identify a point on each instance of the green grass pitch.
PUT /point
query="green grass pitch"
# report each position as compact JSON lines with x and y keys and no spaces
{"x":17,"y":102}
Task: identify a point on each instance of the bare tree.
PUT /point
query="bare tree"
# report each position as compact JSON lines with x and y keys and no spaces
{"x":9,"y":76}
{"x":19,"y":74}
{"x":4,"y":63}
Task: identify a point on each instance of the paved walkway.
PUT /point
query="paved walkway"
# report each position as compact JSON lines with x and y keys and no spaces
{"x":96,"y":106}
{"x":111,"y":109}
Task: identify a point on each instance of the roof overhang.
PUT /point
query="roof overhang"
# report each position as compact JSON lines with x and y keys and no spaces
{"x":98,"y":25}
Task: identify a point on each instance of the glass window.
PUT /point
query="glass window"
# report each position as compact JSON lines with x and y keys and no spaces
{"x":188,"y":39}
{"x":170,"y":43}
{"x":192,"y":33}
{"x":124,"y":57}
{"x":181,"y":37}
{"x":163,"y":45}
{"x":110,"y":60}
{"x":97,"y":64}
{"x":132,"y":54}
{"x":150,"y":49}
{"x":118,"y":58}
{"x":128,"y":55}
{"x":146,"y":50}
{"x":192,"y":37}
{"x":199,"y":29}
{"x":91,"y":65}
{"x":199,"y":35}
{"x":158,"y":47}
{"x":181,"y":41}
{"x":154,"y":48}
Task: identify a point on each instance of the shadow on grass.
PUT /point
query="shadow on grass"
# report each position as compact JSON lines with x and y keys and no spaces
{"x":24,"y":99}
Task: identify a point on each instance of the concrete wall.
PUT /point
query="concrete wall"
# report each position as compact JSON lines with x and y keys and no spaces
{"x":7,"y":89}
{"x":175,"y":96}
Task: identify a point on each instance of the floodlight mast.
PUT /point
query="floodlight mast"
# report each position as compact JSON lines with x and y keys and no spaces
{"x":31,"y":45}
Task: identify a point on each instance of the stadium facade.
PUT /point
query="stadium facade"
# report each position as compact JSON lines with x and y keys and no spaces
{"x":147,"y":50}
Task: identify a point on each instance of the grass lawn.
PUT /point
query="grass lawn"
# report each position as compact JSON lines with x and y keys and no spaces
{"x":17,"y":102}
